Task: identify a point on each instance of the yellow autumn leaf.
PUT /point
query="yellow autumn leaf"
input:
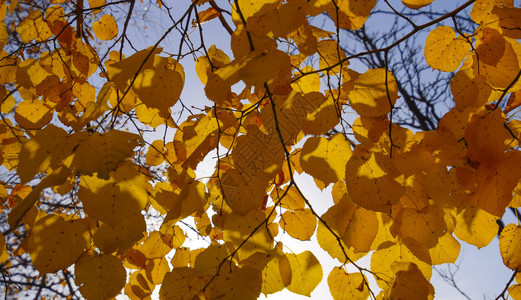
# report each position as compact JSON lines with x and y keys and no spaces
{"x":343,"y":285}
{"x":239,"y":283}
{"x":119,"y":237}
{"x":4,"y":255}
{"x":34,"y":27}
{"x":373,"y":94}
{"x":497,"y":59}
{"x":47,"y":149}
{"x":446,"y":250}
{"x":307,"y":83}
{"x":56,"y":244}
{"x":218,"y":59}
{"x":183,"y":281}
{"x":325,"y":158}
{"x":405,"y":273}
{"x":371,"y":181}
{"x":220,"y":81}
{"x":415,"y":4}
{"x":274,"y":277}
{"x":33,"y":114}
{"x":191,"y":199}
{"x":306,"y":272}
{"x":510,"y":246}
{"x":299,"y":224}
{"x":99,"y":277}
{"x":116,"y":199}
{"x":250,"y":8}
{"x":335,"y":248}
{"x":469,"y":90}
{"x":351,"y":14}
{"x":425,"y":225}
{"x":103,"y":153}
{"x":106,"y":28}
{"x":406,"y":251}
{"x":330,"y":56}
{"x":207,"y":262}
{"x":160,"y":85}
{"x":237,"y":229}
{"x":356,"y":226}
{"x":444,"y":52}
{"x":122,"y":71}
{"x":155,"y":245}
{"x":55,"y":178}
{"x":476,"y":226}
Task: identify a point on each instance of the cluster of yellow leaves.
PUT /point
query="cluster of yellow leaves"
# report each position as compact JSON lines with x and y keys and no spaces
{"x":404,"y":196}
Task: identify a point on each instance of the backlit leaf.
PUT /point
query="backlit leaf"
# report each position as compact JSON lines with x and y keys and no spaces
{"x":415,"y":4}
{"x":299,"y":224}
{"x":325,"y":158}
{"x":56,"y":244}
{"x":106,"y":28}
{"x":306,"y":272}
{"x":373,"y":93}
{"x":100,"y":276}
{"x":343,"y":285}
{"x":510,"y":246}
{"x":444,"y":52}
{"x":371,"y":181}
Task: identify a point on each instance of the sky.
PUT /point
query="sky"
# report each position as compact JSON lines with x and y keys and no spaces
{"x":480,"y":274}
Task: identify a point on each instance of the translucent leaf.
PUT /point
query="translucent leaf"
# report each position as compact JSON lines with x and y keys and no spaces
{"x":498,"y":59}
{"x":184,"y":283}
{"x":330,"y":55}
{"x":299,"y":224}
{"x":250,"y":8}
{"x":409,"y":252}
{"x":446,"y":250}
{"x":238,"y":228}
{"x":56,"y":244}
{"x":207,"y":262}
{"x":344,"y":285}
{"x":103,"y":153}
{"x":425,"y":225}
{"x":415,"y":4}
{"x":48,"y":148}
{"x":469,"y":90}
{"x":106,"y":28}
{"x":243,"y":283}
{"x":356,"y":226}
{"x":510,"y":246}
{"x":336,"y":249}
{"x":485,"y":136}
{"x":160,"y":86}
{"x":444,"y":52}
{"x":324,"y":158}
{"x":55,"y":178}
{"x":99,"y":277}
{"x":33,"y":114}
{"x":192,"y":199}
{"x":475,"y":226}
{"x":351,"y":15}
{"x":371,"y":181}
{"x":120,"y":72}
{"x":274,"y":277}
{"x":369,"y":96}
{"x":156,"y":245}
{"x":306,"y":272}
{"x":33,"y":27}
{"x":402,"y":287}
{"x":219,"y":82}
{"x":494,"y":186}
{"x":4,"y":255}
